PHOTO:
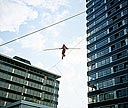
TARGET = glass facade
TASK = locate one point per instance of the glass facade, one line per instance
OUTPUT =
(20, 81)
(107, 44)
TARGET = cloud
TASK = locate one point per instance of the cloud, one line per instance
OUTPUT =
(13, 14)
(54, 5)
(40, 65)
(51, 5)
(48, 18)
(6, 49)
(1, 40)
(35, 42)
(34, 3)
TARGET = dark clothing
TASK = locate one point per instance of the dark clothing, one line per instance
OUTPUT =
(63, 50)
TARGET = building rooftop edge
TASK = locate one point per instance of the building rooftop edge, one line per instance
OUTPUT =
(58, 76)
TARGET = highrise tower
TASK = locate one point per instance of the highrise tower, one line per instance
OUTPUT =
(107, 37)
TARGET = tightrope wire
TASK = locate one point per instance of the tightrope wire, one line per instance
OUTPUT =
(42, 29)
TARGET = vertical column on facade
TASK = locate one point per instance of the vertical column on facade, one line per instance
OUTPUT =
(113, 81)
(98, 98)
(121, 5)
(115, 97)
(109, 49)
(122, 14)
(125, 32)
(105, 7)
(95, 47)
(106, 15)
(96, 76)
(112, 70)
(108, 39)
(107, 22)
(9, 86)
(116, 106)
(53, 95)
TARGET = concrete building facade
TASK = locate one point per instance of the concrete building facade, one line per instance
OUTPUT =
(19, 80)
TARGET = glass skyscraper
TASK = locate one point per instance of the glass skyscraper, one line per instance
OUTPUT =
(107, 44)
(19, 80)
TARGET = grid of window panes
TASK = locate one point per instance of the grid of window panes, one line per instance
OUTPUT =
(104, 42)
(110, 95)
(107, 44)
(109, 70)
(99, 85)
(121, 105)
(96, 15)
(21, 84)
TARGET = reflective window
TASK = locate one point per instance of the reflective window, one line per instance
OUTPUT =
(121, 79)
(91, 58)
(118, 45)
(123, 105)
(122, 92)
(100, 35)
(6, 68)
(119, 55)
(125, 12)
(101, 11)
(92, 76)
(5, 76)
(106, 96)
(19, 72)
(19, 80)
(100, 19)
(117, 35)
(102, 43)
(4, 84)
(100, 85)
(103, 62)
(101, 97)
(91, 48)
(16, 88)
(3, 93)
(103, 52)
(105, 84)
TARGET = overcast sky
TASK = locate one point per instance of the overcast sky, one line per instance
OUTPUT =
(20, 17)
